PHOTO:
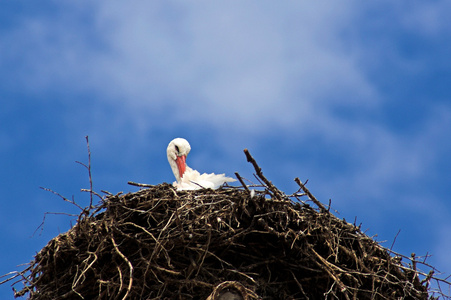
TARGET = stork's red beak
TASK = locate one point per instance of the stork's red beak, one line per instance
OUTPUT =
(181, 164)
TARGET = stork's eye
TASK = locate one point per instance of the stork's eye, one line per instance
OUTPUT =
(177, 149)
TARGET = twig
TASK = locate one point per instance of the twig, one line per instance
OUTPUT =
(304, 188)
(199, 185)
(16, 274)
(77, 279)
(62, 197)
(140, 184)
(394, 240)
(428, 278)
(130, 283)
(89, 171)
(205, 253)
(50, 213)
(329, 268)
(258, 170)
(414, 262)
(241, 181)
(92, 193)
(106, 192)
(299, 285)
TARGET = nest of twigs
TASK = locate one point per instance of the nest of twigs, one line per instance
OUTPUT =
(246, 242)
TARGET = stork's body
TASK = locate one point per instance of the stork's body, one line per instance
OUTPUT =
(187, 178)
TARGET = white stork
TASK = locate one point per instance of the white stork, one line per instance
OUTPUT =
(187, 178)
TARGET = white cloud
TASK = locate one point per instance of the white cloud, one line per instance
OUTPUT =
(250, 67)
(220, 63)
(207, 62)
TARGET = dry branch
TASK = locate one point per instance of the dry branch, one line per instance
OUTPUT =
(275, 191)
(311, 197)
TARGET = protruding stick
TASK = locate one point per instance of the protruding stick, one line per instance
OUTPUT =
(140, 184)
(305, 190)
(241, 181)
(258, 170)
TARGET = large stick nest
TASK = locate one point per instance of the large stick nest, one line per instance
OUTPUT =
(159, 243)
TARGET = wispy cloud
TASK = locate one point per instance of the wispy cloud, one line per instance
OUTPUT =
(208, 63)
(276, 69)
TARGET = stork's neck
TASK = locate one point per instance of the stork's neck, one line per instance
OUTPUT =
(175, 170)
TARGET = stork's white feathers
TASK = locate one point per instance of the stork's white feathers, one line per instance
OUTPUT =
(193, 180)
(187, 178)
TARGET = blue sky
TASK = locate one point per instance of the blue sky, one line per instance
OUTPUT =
(354, 96)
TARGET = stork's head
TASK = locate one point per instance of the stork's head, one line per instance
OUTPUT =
(177, 152)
